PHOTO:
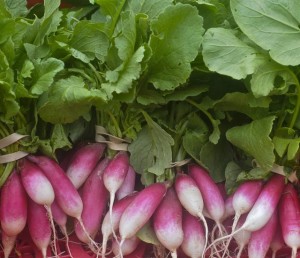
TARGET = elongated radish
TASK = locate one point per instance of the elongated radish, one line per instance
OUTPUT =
(242, 237)
(212, 197)
(277, 241)
(261, 239)
(111, 223)
(66, 195)
(83, 162)
(229, 210)
(39, 226)
(39, 189)
(128, 246)
(94, 196)
(191, 198)
(266, 201)
(139, 211)
(289, 215)
(128, 185)
(243, 200)
(167, 222)
(13, 206)
(8, 243)
(193, 244)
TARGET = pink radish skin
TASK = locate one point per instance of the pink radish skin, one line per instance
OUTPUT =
(128, 185)
(191, 198)
(39, 226)
(128, 246)
(66, 194)
(13, 211)
(277, 241)
(212, 197)
(140, 210)
(94, 197)
(167, 222)
(59, 216)
(229, 210)
(289, 215)
(8, 243)
(193, 244)
(83, 162)
(36, 184)
(107, 227)
(261, 239)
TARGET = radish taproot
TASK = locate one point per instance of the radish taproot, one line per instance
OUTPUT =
(242, 237)
(289, 216)
(94, 196)
(128, 246)
(83, 162)
(8, 243)
(167, 222)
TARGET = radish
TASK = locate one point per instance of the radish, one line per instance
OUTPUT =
(191, 198)
(229, 210)
(39, 226)
(83, 162)
(139, 211)
(167, 222)
(266, 201)
(194, 239)
(261, 239)
(289, 215)
(277, 241)
(13, 211)
(94, 197)
(8, 243)
(110, 226)
(243, 200)
(66, 194)
(212, 197)
(128, 185)
(128, 246)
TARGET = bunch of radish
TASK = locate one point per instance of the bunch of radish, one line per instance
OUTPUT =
(190, 216)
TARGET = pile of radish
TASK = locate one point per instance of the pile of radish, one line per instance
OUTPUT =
(190, 216)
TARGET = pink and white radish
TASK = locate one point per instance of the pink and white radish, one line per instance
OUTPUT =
(167, 222)
(289, 215)
(261, 239)
(194, 239)
(83, 162)
(277, 241)
(13, 211)
(39, 226)
(39, 189)
(8, 243)
(191, 198)
(128, 246)
(66, 195)
(94, 196)
(140, 210)
(111, 223)
(212, 197)
(128, 185)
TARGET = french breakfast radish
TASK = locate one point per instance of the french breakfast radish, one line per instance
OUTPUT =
(277, 241)
(128, 246)
(289, 216)
(128, 185)
(261, 239)
(140, 210)
(13, 211)
(94, 196)
(193, 244)
(8, 243)
(39, 226)
(83, 162)
(191, 198)
(167, 222)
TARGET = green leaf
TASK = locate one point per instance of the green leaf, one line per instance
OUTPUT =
(254, 139)
(265, 80)
(254, 174)
(7, 29)
(88, 42)
(67, 100)
(151, 151)
(121, 79)
(273, 25)
(226, 54)
(183, 93)
(17, 8)
(9, 106)
(215, 158)
(44, 73)
(59, 138)
(147, 234)
(232, 171)
(175, 41)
